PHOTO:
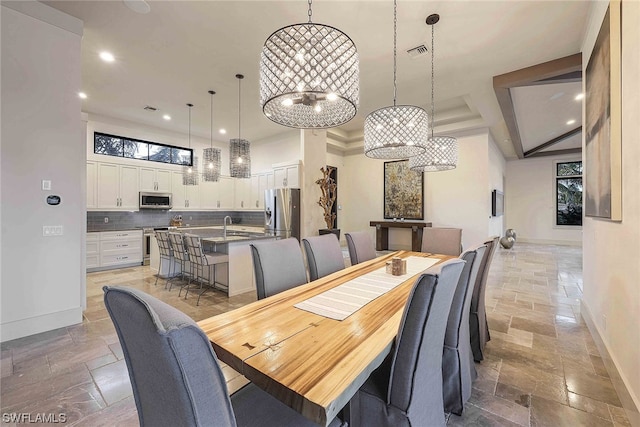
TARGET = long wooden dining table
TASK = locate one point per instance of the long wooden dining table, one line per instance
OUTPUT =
(312, 363)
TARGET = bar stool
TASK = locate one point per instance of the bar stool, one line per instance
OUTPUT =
(180, 256)
(204, 262)
(166, 254)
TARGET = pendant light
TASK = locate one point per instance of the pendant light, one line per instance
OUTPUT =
(309, 76)
(239, 149)
(442, 151)
(399, 131)
(190, 172)
(211, 168)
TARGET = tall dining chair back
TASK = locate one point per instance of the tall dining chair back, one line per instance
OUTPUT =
(180, 255)
(324, 255)
(166, 254)
(204, 262)
(441, 240)
(278, 266)
(406, 390)
(478, 326)
(174, 373)
(458, 368)
(360, 246)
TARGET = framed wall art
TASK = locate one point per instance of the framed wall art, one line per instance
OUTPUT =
(603, 125)
(403, 191)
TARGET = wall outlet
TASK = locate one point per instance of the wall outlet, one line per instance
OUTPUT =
(46, 185)
(106, 220)
(190, 218)
(52, 230)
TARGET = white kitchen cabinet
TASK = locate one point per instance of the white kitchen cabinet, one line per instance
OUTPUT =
(259, 183)
(185, 197)
(153, 179)
(117, 186)
(92, 182)
(225, 192)
(209, 194)
(242, 193)
(287, 175)
(93, 250)
(114, 249)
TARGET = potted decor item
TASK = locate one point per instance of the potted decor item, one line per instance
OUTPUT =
(329, 189)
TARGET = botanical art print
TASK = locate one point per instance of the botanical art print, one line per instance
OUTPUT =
(403, 191)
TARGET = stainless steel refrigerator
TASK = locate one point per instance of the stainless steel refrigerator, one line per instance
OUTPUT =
(282, 212)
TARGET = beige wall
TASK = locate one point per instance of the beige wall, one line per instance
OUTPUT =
(530, 201)
(42, 139)
(611, 264)
(469, 184)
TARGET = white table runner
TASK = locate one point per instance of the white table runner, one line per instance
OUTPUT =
(344, 300)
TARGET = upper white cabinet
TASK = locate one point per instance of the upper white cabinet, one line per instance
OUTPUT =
(152, 179)
(242, 193)
(117, 186)
(259, 183)
(287, 175)
(185, 197)
(92, 180)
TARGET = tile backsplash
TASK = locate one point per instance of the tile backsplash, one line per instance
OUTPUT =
(151, 218)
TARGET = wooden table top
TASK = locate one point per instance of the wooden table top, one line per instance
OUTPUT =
(311, 363)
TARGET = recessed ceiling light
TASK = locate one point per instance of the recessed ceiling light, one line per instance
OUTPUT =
(166, 117)
(223, 131)
(138, 6)
(82, 95)
(107, 56)
(570, 122)
(579, 97)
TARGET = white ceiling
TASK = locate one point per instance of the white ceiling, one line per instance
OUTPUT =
(180, 49)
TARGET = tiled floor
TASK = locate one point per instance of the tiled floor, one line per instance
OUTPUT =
(542, 366)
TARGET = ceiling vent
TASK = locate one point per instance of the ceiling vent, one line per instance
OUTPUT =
(418, 51)
(150, 108)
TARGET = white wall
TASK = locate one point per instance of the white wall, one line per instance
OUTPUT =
(42, 139)
(497, 172)
(530, 201)
(457, 198)
(611, 265)
(276, 149)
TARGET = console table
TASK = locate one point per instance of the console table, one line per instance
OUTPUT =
(382, 233)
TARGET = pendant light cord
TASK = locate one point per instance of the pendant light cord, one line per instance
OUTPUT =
(309, 12)
(433, 102)
(395, 42)
(212, 93)
(239, 109)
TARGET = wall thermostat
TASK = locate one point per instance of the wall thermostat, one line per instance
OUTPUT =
(53, 200)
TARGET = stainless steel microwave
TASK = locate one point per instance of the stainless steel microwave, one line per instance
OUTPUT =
(150, 200)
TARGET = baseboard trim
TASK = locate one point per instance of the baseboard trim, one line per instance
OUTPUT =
(550, 242)
(626, 398)
(35, 325)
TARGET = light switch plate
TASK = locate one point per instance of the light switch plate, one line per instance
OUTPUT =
(46, 185)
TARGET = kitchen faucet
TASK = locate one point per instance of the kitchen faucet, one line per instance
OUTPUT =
(225, 225)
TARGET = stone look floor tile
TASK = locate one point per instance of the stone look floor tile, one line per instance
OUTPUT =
(79, 369)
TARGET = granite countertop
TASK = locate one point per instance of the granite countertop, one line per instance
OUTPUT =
(235, 233)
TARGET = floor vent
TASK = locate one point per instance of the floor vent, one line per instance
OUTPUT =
(418, 51)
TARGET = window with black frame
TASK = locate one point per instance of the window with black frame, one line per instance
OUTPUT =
(119, 146)
(569, 193)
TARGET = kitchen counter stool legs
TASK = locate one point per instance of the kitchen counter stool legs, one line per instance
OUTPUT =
(166, 254)
(203, 262)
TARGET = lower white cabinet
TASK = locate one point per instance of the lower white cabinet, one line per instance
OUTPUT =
(113, 249)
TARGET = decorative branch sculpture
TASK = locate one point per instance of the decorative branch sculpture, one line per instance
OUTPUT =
(328, 187)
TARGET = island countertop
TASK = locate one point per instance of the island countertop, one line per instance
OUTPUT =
(235, 233)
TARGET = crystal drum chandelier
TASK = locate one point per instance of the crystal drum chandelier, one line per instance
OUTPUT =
(309, 76)
(212, 164)
(239, 149)
(190, 172)
(442, 151)
(399, 131)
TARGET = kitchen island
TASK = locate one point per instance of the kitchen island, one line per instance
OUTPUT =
(238, 273)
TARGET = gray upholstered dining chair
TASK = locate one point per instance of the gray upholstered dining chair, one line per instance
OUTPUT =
(166, 254)
(478, 326)
(324, 255)
(278, 266)
(458, 368)
(360, 246)
(175, 375)
(441, 240)
(406, 390)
